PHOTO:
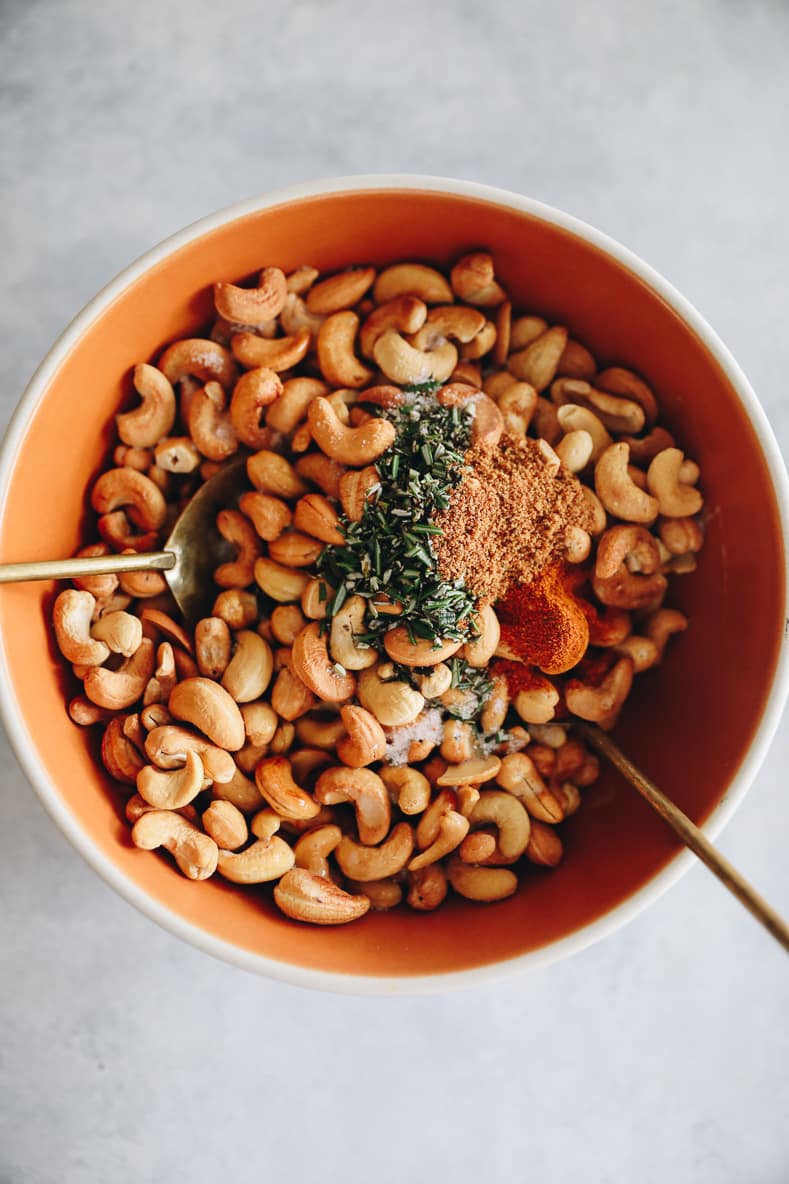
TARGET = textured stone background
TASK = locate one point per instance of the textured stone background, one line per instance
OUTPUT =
(659, 1054)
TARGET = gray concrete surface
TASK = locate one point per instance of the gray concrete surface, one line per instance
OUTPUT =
(659, 1054)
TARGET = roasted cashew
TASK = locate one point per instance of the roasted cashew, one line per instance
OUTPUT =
(316, 516)
(409, 788)
(264, 860)
(236, 608)
(294, 549)
(364, 863)
(642, 650)
(275, 783)
(320, 731)
(226, 825)
(290, 697)
(538, 362)
(480, 883)
(382, 894)
(477, 846)
(631, 544)
(283, 584)
(291, 407)
(680, 536)
(71, 618)
(336, 358)
(365, 741)
(312, 664)
(117, 689)
(346, 624)
(675, 499)
(458, 741)
(303, 896)
(212, 646)
(575, 450)
(102, 587)
(161, 623)
(295, 316)
(479, 652)
(405, 313)
(544, 847)
(616, 490)
(275, 353)
(209, 707)
(577, 362)
(287, 621)
(252, 306)
(313, 848)
(495, 706)
(537, 704)
(210, 425)
(436, 683)
(481, 344)
(412, 279)
(236, 528)
(616, 380)
(573, 418)
(167, 746)
(367, 792)
(629, 590)
(269, 515)
(508, 813)
(173, 788)
(155, 715)
(121, 488)
(517, 405)
(357, 487)
(255, 391)
(452, 829)
(85, 714)
(473, 280)
(147, 424)
(238, 790)
(349, 446)
(404, 363)
(524, 330)
(321, 471)
(315, 599)
(455, 321)
(195, 853)
(248, 673)
(120, 757)
(471, 772)
(427, 888)
(260, 722)
(393, 703)
(601, 704)
(340, 291)
(662, 624)
(196, 357)
(164, 677)
(519, 776)
(422, 652)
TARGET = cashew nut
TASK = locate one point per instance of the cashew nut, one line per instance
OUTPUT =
(322, 471)
(264, 860)
(336, 358)
(365, 741)
(346, 624)
(71, 618)
(147, 424)
(209, 707)
(519, 776)
(212, 646)
(412, 279)
(283, 584)
(410, 788)
(314, 847)
(293, 549)
(601, 704)
(197, 357)
(304, 896)
(356, 488)
(405, 313)
(427, 888)
(317, 517)
(320, 731)
(195, 853)
(290, 408)
(120, 757)
(290, 697)
(120, 488)
(471, 772)
(376, 863)
(538, 362)
(473, 280)
(274, 780)
(171, 789)
(117, 689)
(367, 792)
(340, 291)
(168, 746)
(423, 652)
(350, 446)
(275, 353)
(616, 490)
(544, 847)
(404, 363)
(479, 652)
(255, 390)
(393, 703)
(252, 306)
(226, 825)
(675, 499)
(616, 380)
(249, 671)
(312, 664)
(662, 624)
(480, 883)
(452, 829)
(509, 815)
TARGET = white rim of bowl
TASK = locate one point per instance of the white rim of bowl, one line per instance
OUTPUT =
(370, 984)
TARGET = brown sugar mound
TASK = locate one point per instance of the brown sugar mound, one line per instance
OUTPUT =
(508, 518)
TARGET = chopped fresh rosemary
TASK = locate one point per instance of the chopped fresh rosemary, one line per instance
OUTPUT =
(388, 552)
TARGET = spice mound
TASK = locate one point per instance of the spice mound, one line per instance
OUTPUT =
(509, 518)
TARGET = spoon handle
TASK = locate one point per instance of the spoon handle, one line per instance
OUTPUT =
(690, 834)
(64, 569)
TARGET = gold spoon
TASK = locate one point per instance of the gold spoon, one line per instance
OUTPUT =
(191, 554)
(195, 549)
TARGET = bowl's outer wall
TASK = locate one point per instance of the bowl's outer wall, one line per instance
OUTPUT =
(689, 725)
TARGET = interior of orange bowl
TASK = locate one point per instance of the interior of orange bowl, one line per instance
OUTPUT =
(687, 724)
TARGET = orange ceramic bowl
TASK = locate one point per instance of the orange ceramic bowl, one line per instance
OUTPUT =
(700, 724)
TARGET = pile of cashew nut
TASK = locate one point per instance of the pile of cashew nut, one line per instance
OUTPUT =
(254, 745)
